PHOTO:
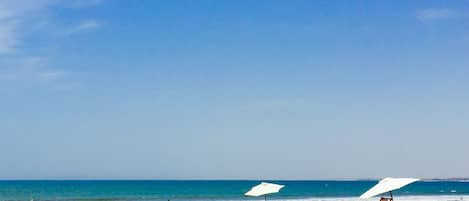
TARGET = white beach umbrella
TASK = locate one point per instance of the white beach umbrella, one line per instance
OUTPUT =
(263, 189)
(388, 185)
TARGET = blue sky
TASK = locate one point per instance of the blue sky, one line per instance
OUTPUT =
(233, 89)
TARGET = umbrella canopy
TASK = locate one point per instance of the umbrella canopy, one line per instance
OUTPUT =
(263, 189)
(387, 185)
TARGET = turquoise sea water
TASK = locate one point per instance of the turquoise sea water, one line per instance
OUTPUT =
(217, 190)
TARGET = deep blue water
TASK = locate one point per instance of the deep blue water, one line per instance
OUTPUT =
(205, 190)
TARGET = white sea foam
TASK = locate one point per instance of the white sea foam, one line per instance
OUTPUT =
(396, 198)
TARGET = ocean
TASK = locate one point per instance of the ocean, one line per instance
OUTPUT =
(200, 190)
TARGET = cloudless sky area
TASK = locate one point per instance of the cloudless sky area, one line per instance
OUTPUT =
(233, 89)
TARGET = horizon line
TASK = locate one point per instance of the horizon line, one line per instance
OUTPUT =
(215, 179)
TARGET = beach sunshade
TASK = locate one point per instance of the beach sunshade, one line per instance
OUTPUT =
(387, 185)
(264, 189)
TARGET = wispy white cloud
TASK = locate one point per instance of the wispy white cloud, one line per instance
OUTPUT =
(12, 15)
(8, 39)
(29, 68)
(434, 14)
(84, 26)
(81, 3)
(18, 8)
(18, 20)
(51, 75)
(18, 16)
